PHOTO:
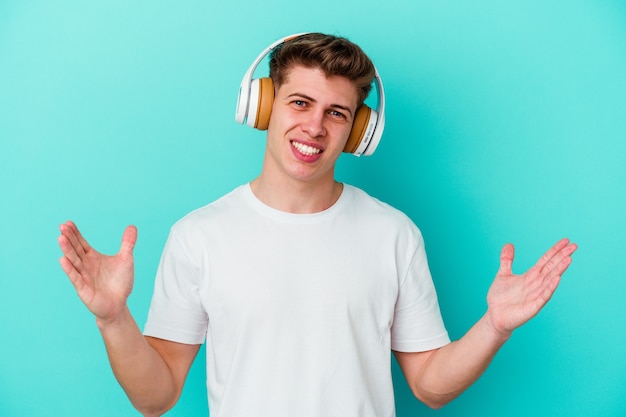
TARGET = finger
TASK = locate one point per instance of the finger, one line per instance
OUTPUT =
(75, 239)
(129, 238)
(69, 269)
(554, 250)
(79, 281)
(560, 260)
(558, 265)
(563, 265)
(69, 252)
(66, 265)
(553, 279)
(506, 259)
(83, 242)
(549, 289)
(72, 273)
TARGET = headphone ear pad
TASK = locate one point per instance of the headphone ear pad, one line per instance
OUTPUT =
(261, 102)
(359, 127)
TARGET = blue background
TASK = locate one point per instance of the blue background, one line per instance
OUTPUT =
(506, 121)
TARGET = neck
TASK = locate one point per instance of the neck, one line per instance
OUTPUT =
(296, 197)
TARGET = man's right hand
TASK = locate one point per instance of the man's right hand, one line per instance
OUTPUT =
(102, 282)
(152, 371)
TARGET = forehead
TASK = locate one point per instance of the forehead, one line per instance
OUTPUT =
(323, 88)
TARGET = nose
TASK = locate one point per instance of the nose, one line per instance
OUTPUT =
(313, 124)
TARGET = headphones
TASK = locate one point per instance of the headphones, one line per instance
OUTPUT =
(256, 97)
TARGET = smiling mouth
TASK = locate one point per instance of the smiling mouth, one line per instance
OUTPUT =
(305, 149)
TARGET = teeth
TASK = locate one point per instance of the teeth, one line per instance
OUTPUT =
(305, 149)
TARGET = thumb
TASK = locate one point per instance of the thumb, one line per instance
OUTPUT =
(506, 259)
(129, 238)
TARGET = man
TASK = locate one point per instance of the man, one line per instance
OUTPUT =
(300, 285)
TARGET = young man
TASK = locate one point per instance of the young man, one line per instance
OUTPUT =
(301, 286)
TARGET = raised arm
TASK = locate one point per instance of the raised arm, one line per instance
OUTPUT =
(437, 377)
(151, 371)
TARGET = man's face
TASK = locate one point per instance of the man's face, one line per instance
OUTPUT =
(311, 120)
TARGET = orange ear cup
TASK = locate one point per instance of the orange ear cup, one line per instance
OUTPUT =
(361, 120)
(266, 100)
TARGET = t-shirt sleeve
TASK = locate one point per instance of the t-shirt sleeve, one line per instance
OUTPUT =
(176, 311)
(417, 325)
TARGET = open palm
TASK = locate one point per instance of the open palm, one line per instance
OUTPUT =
(514, 299)
(102, 282)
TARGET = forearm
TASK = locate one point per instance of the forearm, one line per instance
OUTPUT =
(454, 367)
(140, 370)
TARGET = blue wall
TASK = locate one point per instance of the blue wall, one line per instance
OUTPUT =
(506, 122)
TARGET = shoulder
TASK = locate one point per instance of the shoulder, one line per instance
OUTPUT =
(380, 217)
(210, 216)
(368, 205)
(205, 226)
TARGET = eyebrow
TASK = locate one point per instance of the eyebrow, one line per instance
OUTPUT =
(334, 106)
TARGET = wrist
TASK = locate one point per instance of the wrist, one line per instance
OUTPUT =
(493, 331)
(118, 320)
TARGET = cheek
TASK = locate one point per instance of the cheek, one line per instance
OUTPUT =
(280, 120)
(342, 133)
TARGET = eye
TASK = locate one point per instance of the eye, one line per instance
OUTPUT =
(299, 103)
(337, 114)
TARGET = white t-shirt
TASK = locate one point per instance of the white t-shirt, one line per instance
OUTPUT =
(299, 311)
